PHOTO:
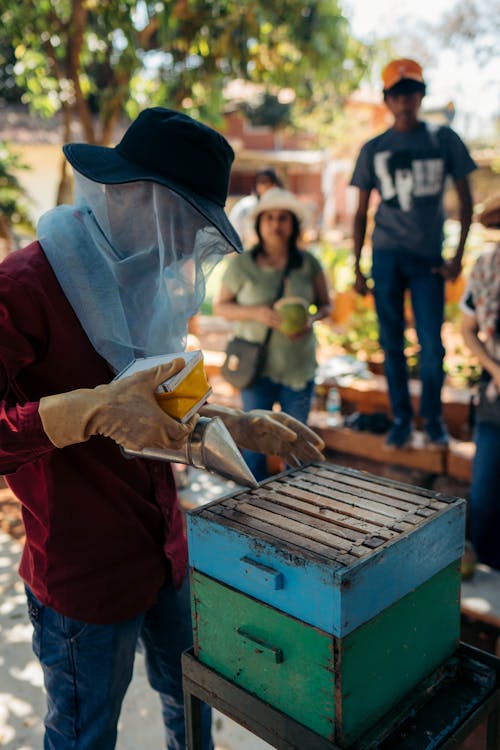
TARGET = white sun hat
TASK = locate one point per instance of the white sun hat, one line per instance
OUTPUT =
(279, 198)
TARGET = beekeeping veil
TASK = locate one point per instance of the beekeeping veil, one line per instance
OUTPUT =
(148, 224)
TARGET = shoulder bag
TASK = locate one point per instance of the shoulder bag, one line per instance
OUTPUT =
(244, 359)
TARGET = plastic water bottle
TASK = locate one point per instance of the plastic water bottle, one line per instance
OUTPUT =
(333, 408)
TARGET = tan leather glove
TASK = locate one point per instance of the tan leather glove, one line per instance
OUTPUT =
(270, 432)
(125, 410)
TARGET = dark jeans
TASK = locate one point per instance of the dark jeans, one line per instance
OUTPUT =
(263, 395)
(87, 669)
(393, 273)
(484, 506)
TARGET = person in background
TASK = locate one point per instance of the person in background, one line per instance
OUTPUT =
(408, 166)
(249, 288)
(240, 214)
(481, 332)
(113, 277)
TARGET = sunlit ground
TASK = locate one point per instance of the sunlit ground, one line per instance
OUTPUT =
(481, 594)
(21, 692)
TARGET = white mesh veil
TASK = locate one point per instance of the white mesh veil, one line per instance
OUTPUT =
(132, 259)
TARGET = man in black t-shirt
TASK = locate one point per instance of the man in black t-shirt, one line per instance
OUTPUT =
(408, 165)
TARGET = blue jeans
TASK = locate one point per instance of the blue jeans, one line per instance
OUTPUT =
(393, 273)
(484, 505)
(87, 670)
(263, 395)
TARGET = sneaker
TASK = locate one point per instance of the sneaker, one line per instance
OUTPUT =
(398, 436)
(436, 433)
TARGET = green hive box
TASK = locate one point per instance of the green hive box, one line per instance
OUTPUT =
(328, 593)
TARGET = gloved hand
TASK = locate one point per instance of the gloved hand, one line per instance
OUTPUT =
(270, 432)
(125, 410)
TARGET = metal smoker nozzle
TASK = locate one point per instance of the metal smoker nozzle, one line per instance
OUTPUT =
(209, 447)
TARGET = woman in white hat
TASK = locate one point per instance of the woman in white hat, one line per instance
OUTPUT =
(481, 332)
(276, 268)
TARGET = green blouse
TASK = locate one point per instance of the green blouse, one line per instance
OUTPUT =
(288, 362)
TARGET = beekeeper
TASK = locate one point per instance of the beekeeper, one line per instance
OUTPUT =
(115, 276)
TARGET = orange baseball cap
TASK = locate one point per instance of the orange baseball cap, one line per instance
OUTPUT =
(397, 70)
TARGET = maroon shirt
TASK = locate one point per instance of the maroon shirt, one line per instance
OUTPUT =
(103, 532)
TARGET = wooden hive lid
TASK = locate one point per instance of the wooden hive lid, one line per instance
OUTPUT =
(329, 512)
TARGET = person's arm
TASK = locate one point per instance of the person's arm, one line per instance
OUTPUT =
(124, 410)
(359, 232)
(22, 437)
(470, 329)
(274, 433)
(452, 268)
(226, 306)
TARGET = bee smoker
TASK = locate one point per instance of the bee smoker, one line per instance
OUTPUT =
(210, 447)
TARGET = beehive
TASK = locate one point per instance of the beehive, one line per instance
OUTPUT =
(327, 592)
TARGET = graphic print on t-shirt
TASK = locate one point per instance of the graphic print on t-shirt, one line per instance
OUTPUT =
(406, 179)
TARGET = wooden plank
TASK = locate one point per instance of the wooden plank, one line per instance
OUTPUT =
(371, 446)
(349, 507)
(377, 484)
(316, 506)
(321, 522)
(354, 489)
(424, 512)
(381, 510)
(323, 501)
(331, 466)
(460, 459)
(305, 512)
(317, 522)
(241, 527)
(252, 523)
(302, 529)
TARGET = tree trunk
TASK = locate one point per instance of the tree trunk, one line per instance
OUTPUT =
(65, 186)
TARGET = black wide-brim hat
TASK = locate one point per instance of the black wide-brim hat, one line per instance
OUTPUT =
(172, 149)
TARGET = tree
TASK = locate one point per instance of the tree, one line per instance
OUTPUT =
(9, 90)
(269, 111)
(14, 213)
(471, 23)
(94, 60)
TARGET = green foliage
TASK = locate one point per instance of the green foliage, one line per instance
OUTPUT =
(268, 111)
(337, 263)
(9, 90)
(361, 336)
(13, 199)
(102, 58)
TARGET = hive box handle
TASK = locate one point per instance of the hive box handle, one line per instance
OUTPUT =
(262, 647)
(263, 574)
